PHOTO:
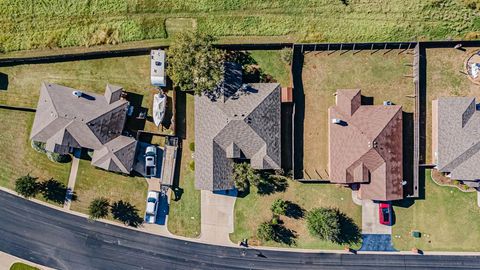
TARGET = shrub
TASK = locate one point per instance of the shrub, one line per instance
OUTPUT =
(324, 223)
(191, 146)
(244, 175)
(191, 165)
(38, 146)
(266, 231)
(59, 158)
(279, 207)
(27, 186)
(98, 208)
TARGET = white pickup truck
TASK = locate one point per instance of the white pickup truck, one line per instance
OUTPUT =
(151, 161)
(152, 207)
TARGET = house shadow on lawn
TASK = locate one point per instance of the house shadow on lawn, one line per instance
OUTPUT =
(298, 114)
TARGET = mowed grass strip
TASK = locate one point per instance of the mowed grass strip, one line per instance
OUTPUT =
(254, 209)
(380, 76)
(94, 183)
(447, 219)
(44, 24)
(17, 157)
(184, 216)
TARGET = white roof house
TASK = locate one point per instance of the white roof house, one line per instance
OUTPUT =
(157, 59)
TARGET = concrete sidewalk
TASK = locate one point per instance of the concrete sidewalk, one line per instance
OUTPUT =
(217, 217)
(71, 182)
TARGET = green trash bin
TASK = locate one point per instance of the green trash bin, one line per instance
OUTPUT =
(416, 234)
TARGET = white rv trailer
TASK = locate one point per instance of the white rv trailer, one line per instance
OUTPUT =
(157, 59)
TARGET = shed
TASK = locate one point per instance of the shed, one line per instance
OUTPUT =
(287, 94)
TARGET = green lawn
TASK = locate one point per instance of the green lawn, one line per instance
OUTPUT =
(38, 24)
(271, 64)
(254, 209)
(448, 220)
(17, 157)
(184, 216)
(22, 266)
(132, 73)
(93, 183)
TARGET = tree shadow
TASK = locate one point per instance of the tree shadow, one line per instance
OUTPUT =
(55, 191)
(294, 210)
(126, 213)
(284, 235)
(349, 231)
(270, 184)
(240, 57)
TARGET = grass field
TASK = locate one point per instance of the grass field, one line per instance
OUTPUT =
(184, 216)
(17, 158)
(448, 220)
(38, 24)
(444, 78)
(255, 209)
(93, 183)
(380, 76)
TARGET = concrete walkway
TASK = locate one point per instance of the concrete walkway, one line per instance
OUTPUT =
(217, 217)
(6, 260)
(71, 182)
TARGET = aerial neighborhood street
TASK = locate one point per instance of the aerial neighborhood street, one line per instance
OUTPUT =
(142, 135)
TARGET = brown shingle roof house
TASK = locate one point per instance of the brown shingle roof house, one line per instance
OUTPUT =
(65, 121)
(365, 146)
(242, 123)
(456, 137)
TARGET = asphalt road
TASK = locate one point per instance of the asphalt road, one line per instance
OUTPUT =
(63, 241)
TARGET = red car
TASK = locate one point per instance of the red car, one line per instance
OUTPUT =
(385, 213)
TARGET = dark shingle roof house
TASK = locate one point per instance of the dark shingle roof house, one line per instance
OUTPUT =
(64, 122)
(365, 146)
(456, 137)
(242, 123)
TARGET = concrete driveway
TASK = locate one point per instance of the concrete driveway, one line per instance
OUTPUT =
(375, 236)
(370, 220)
(217, 217)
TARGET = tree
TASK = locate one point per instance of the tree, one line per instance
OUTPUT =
(244, 175)
(98, 208)
(279, 207)
(194, 64)
(266, 231)
(126, 213)
(324, 223)
(27, 186)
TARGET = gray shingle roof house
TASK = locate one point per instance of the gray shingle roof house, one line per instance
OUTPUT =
(65, 122)
(242, 123)
(456, 137)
